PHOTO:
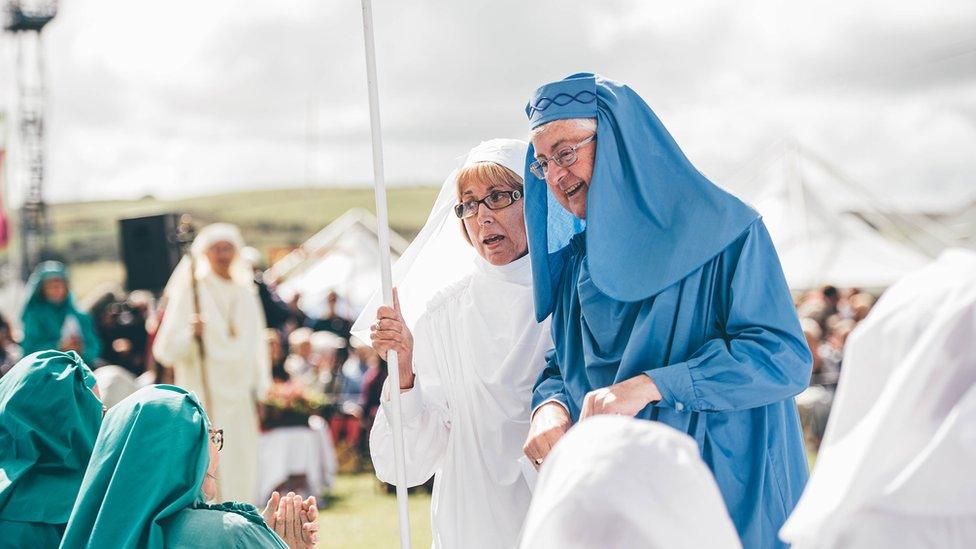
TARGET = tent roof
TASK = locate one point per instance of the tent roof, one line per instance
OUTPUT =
(344, 256)
(841, 194)
(819, 246)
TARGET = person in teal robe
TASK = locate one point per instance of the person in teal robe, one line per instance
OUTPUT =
(145, 484)
(49, 418)
(51, 319)
(667, 297)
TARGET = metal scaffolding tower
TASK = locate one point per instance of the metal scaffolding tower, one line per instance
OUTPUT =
(26, 21)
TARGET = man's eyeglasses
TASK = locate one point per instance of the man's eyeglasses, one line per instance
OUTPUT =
(217, 437)
(564, 157)
(496, 200)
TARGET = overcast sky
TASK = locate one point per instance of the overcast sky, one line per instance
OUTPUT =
(183, 97)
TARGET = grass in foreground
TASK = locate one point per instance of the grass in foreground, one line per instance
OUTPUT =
(361, 516)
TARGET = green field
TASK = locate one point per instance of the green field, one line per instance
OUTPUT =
(361, 516)
(85, 234)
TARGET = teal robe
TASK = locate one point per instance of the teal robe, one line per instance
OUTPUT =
(49, 419)
(43, 320)
(143, 484)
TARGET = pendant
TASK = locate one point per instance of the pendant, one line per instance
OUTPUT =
(232, 331)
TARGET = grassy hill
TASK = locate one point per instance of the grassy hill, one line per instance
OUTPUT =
(86, 233)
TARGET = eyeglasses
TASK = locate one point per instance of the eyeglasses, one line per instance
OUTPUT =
(496, 200)
(217, 437)
(564, 157)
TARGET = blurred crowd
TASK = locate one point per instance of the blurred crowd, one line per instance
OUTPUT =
(317, 366)
(828, 316)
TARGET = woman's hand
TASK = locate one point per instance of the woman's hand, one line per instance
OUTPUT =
(296, 521)
(390, 333)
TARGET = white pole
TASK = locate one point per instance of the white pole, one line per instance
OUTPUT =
(383, 235)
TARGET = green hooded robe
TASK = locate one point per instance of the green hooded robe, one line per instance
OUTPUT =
(49, 420)
(43, 320)
(143, 484)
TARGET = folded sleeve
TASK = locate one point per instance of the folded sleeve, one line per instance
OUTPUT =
(762, 356)
(550, 386)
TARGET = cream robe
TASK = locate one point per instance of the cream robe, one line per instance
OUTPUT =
(477, 353)
(237, 368)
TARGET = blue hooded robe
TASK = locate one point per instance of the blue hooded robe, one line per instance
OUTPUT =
(672, 277)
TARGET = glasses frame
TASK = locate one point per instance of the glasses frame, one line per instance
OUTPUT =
(539, 169)
(217, 437)
(515, 196)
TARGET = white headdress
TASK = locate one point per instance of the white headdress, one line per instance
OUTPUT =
(901, 436)
(440, 256)
(615, 481)
(240, 269)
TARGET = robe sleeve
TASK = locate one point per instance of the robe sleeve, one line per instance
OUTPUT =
(550, 386)
(35, 338)
(763, 357)
(174, 339)
(426, 419)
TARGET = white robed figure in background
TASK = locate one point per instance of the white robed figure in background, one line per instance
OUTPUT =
(621, 482)
(231, 323)
(469, 351)
(896, 464)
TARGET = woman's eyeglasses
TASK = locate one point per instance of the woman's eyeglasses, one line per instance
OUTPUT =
(496, 200)
(217, 437)
(564, 157)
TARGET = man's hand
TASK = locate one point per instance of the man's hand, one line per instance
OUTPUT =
(390, 333)
(549, 423)
(625, 398)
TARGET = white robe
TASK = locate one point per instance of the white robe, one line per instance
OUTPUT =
(896, 465)
(477, 353)
(237, 371)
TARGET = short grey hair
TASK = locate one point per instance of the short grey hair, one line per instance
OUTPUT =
(587, 124)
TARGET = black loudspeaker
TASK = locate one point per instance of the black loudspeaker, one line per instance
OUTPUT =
(150, 250)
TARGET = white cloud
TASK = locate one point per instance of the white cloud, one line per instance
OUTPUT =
(183, 97)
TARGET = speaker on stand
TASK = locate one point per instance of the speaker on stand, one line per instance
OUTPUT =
(150, 250)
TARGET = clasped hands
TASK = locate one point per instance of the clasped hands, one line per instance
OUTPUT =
(295, 521)
(551, 420)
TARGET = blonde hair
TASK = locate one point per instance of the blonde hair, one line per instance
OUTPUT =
(489, 174)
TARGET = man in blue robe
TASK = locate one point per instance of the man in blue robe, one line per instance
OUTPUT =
(668, 301)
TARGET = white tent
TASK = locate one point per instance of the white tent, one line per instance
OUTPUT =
(343, 257)
(841, 195)
(819, 246)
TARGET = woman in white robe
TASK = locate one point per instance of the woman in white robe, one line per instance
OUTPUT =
(237, 358)
(620, 482)
(476, 353)
(896, 465)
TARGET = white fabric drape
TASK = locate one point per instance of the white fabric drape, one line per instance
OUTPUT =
(477, 353)
(237, 362)
(616, 481)
(896, 465)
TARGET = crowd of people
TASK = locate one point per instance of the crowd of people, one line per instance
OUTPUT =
(828, 316)
(130, 340)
